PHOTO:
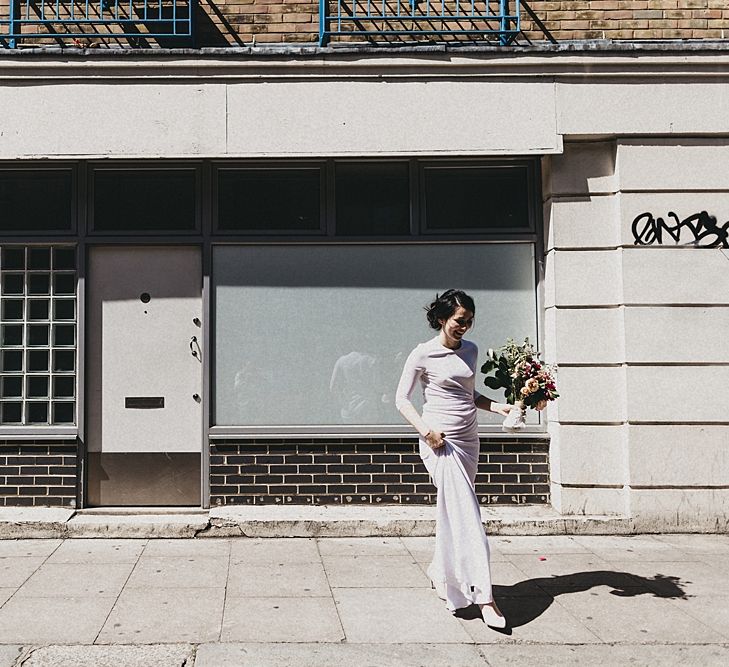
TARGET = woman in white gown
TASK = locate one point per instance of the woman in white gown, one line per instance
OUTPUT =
(449, 447)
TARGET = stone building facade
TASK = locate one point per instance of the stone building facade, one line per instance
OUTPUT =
(182, 227)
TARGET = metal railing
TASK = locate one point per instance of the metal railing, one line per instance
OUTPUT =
(61, 21)
(498, 20)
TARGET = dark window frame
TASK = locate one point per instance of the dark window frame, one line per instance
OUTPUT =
(140, 166)
(63, 166)
(273, 165)
(497, 165)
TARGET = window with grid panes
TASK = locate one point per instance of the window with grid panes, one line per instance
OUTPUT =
(38, 335)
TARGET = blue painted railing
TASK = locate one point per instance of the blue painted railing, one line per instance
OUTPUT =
(495, 19)
(64, 21)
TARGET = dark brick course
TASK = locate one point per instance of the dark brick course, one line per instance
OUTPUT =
(36, 473)
(511, 471)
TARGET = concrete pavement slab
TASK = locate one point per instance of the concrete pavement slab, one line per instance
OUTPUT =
(532, 620)
(76, 580)
(638, 547)
(281, 620)
(14, 571)
(374, 572)
(28, 548)
(711, 610)
(636, 619)
(164, 615)
(179, 572)
(169, 655)
(9, 655)
(362, 546)
(316, 655)
(396, 616)
(690, 577)
(719, 562)
(259, 551)
(207, 548)
(74, 620)
(602, 655)
(542, 544)
(422, 548)
(558, 564)
(697, 544)
(6, 594)
(277, 580)
(97, 551)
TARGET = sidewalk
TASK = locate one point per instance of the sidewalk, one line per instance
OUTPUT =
(571, 600)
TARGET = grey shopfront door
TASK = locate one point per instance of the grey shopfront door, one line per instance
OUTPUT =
(144, 375)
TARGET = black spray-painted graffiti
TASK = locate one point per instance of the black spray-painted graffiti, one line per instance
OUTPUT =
(699, 229)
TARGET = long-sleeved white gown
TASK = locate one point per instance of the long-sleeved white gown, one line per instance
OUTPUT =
(460, 569)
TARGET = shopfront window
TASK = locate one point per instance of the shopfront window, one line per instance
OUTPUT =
(317, 335)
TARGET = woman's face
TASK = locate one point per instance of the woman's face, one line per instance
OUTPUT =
(455, 327)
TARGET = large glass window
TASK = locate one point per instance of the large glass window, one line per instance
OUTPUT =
(38, 335)
(145, 200)
(316, 335)
(36, 200)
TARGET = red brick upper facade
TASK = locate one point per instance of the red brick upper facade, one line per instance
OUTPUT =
(260, 22)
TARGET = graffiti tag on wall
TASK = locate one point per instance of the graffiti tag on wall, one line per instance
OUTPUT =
(699, 229)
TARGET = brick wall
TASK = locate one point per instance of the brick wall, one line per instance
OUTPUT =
(630, 19)
(38, 473)
(245, 22)
(366, 471)
(276, 21)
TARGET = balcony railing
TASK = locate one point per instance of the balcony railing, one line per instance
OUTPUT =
(497, 20)
(86, 20)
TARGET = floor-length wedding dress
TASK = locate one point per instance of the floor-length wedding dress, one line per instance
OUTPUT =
(460, 569)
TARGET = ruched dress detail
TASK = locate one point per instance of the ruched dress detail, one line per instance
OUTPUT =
(460, 570)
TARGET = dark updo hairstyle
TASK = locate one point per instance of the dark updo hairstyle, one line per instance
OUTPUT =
(445, 305)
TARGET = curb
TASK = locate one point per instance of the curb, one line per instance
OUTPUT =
(287, 521)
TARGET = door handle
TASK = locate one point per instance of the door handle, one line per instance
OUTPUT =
(193, 345)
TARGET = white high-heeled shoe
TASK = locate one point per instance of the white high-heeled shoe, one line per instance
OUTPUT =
(491, 617)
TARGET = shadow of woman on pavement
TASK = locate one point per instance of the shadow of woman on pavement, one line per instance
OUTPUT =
(523, 602)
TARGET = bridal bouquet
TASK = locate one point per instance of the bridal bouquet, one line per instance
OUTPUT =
(526, 380)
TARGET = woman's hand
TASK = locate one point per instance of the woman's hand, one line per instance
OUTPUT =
(541, 405)
(501, 408)
(434, 439)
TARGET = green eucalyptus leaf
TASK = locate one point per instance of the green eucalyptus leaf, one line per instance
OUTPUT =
(492, 383)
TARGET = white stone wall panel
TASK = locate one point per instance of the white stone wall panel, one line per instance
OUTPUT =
(679, 394)
(674, 164)
(585, 335)
(680, 510)
(583, 168)
(590, 454)
(583, 222)
(652, 218)
(590, 395)
(675, 276)
(365, 117)
(585, 501)
(676, 334)
(642, 107)
(586, 278)
(120, 120)
(679, 455)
